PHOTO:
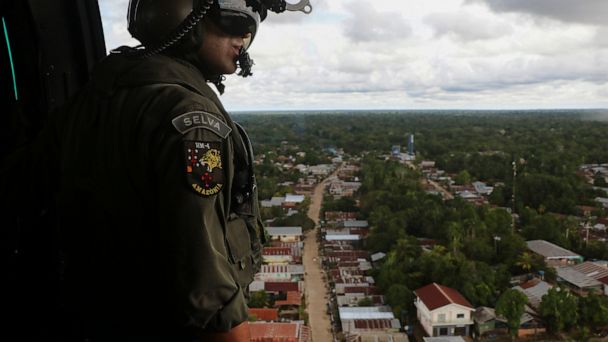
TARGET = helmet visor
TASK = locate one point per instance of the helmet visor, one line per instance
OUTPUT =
(236, 19)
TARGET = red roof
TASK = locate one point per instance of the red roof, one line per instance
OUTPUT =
(276, 251)
(373, 324)
(279, 332)
(264, 314)
(293, 298)
(286, 287)
(367, 290)
(435, 296)
(530, 283)
(604, 280)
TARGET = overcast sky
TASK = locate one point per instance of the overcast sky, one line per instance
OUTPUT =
(420, 54)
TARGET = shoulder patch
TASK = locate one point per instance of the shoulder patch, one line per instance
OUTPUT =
(204, 169)
(200, 119)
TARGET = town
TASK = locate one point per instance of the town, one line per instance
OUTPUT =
(329, 275)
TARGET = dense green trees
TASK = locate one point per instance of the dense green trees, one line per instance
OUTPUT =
(559, 309)
(549, 146)
(511, 305)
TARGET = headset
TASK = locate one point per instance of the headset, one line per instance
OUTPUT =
(161, 24)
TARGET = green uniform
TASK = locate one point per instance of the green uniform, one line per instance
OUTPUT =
(158, 215)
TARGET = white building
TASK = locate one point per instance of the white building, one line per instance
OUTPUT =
(285, 234)
(443, 311)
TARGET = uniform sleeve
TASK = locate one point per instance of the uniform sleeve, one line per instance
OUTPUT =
(193, 168)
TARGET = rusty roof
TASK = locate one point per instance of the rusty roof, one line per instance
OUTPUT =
(264, 314)
(435, 296)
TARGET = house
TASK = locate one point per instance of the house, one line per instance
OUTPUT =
(603, 201)
(297, 199)
(486, 321)
(443, 311)
(279, 332)
(554, 255)
(353, 224)
(321, 170)
(377, 336)
(285, 234)
(280, 287)
(273, 202)
(579, 277)
(578, 282)
(277, 255)
(378, 256)
(279, 272)
(337, 216)
(264, 314)
(534, 289)
(289, 307)
(444, 339)
(482, 188)
(364, 318)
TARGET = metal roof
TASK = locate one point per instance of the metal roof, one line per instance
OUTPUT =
(366, 312)
(342, 237)
(278, 231)
(592, 270)
(577, 278)
(378, 256)
(536, 292)
(354, 224)
(550, 250)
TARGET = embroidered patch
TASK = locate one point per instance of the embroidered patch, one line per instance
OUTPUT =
(204, 167)
(192, 120)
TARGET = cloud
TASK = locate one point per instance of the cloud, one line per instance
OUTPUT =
(114, 19)
(366, 24)
(364, 54)
(579, 11)
(467, 26)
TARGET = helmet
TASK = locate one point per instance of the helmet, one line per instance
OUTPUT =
(157, 22)
(161, 24)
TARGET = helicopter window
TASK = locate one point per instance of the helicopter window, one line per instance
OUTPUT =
(9, 53)
(114, 20)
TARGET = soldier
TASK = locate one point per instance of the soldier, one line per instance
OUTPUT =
(158, 222)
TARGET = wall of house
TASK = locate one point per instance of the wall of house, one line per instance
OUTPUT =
(424, 317)
(450, 313)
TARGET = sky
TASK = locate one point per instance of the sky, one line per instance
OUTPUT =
(419, 54)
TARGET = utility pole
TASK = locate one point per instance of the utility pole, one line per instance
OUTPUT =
(513, 197)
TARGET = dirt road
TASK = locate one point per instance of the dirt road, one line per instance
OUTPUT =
(316, 291)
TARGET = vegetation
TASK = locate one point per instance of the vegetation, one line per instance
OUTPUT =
(511, 305)
(558, 309)
(474, 249)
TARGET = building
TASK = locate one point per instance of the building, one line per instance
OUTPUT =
(353, 224)
(285, 234)
(443, 311)
(264, 314)
(554, 255)
(578, 282)
(279, 332)
(277, 255)
(364, 318)
(534, 289)
(377, 336)
(410, 145)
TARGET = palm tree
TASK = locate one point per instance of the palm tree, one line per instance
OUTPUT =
(525, 261)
